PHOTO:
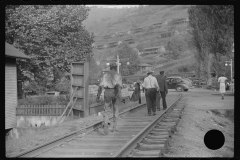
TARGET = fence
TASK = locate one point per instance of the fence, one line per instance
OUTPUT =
(40, 110)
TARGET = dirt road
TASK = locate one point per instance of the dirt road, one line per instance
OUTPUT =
(204, 111)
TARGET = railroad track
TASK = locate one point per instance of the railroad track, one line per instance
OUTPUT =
(88, 142)
(152, 141)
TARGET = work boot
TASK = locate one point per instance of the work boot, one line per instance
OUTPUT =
(114, 129)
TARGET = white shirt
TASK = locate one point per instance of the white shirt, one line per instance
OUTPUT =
(150, 82)
(222, 79)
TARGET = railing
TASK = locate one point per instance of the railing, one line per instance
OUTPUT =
(40, 110)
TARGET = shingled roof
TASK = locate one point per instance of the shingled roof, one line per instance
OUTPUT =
(145, 65)
(11, 51)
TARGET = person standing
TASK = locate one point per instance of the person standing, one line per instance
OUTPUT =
(222, 87)
(151, 88)
(232, 85)
(161, 79)
(112, 84)
(137, 92)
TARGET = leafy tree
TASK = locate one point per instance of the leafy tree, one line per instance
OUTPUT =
(173, 49)
(52, 35)
(126, 51)
(212, 31)
(94, 69)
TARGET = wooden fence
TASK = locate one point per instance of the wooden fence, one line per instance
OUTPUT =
(40, 110)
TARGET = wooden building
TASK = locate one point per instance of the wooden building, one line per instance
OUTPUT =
(11, 91)
(153, 50)
(144, 67)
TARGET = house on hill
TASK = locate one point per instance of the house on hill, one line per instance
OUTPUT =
(144, 67)
(154, 50)
(11, 80)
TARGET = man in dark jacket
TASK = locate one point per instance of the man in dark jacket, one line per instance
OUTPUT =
(163, 90)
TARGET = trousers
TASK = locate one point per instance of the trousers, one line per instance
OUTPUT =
(110, 100)
(163, 95)
(150, 95)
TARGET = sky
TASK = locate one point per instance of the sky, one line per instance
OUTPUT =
(114, 6)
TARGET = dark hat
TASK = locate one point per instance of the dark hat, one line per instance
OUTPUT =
(113, 66)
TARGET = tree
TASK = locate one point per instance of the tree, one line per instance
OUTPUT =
(212, 30)
(173, 50)
(126, 51)
(52, 35)
(94, 69)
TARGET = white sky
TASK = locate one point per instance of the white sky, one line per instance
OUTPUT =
(114, 6)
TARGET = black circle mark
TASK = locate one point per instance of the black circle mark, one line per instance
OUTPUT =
(214, 139)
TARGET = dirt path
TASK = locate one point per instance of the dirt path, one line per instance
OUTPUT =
(204, 111)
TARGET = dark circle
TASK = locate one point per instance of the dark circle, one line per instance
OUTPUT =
(214, 139)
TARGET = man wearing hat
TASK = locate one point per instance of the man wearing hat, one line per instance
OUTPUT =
(151, 88)
(163, 90)
(112, 84)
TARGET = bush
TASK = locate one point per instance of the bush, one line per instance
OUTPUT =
(45, 100)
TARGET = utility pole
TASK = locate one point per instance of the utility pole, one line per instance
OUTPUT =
(231, 68)
(117, 64)
(231, 63)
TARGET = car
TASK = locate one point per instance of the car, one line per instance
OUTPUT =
(52, 93)
(189, 82)
(177, 83)
(199, 82)
(131, 88)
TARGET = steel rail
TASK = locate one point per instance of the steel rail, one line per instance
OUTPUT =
(49, 145)
(128, 147)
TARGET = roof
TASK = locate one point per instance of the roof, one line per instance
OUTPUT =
(153, 47)
(11, 51)
(145, 65)
(174, 77)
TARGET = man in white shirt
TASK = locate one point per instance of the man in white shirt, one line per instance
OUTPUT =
(151, 88)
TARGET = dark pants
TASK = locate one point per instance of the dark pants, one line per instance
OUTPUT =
(158, 98)
(163, 95)
(151, 100)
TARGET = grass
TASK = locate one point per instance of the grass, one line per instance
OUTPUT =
(228, 113)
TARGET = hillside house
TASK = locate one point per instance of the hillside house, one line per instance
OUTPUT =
(154, 50)
(167, 34)
(178, 21)
(137, 30)
(143, 67)
(113, 44)
(129, 41)
(100, 46)
(157, 25)
(11, 89)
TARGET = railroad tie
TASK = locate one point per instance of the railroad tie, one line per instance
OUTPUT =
(157, 137)
(149, 147)
(153, 141)
(153, 153)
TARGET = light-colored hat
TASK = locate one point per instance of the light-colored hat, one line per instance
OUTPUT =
(150, 71)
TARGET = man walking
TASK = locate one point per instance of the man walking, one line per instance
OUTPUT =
(151, 88)
(112, 84)
(161, 79)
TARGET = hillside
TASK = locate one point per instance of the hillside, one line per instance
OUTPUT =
(114, 25)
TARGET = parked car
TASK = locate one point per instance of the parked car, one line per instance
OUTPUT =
(189, 82)
(52, 93)
(199, 82)
(177, 83)
(131, 87)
